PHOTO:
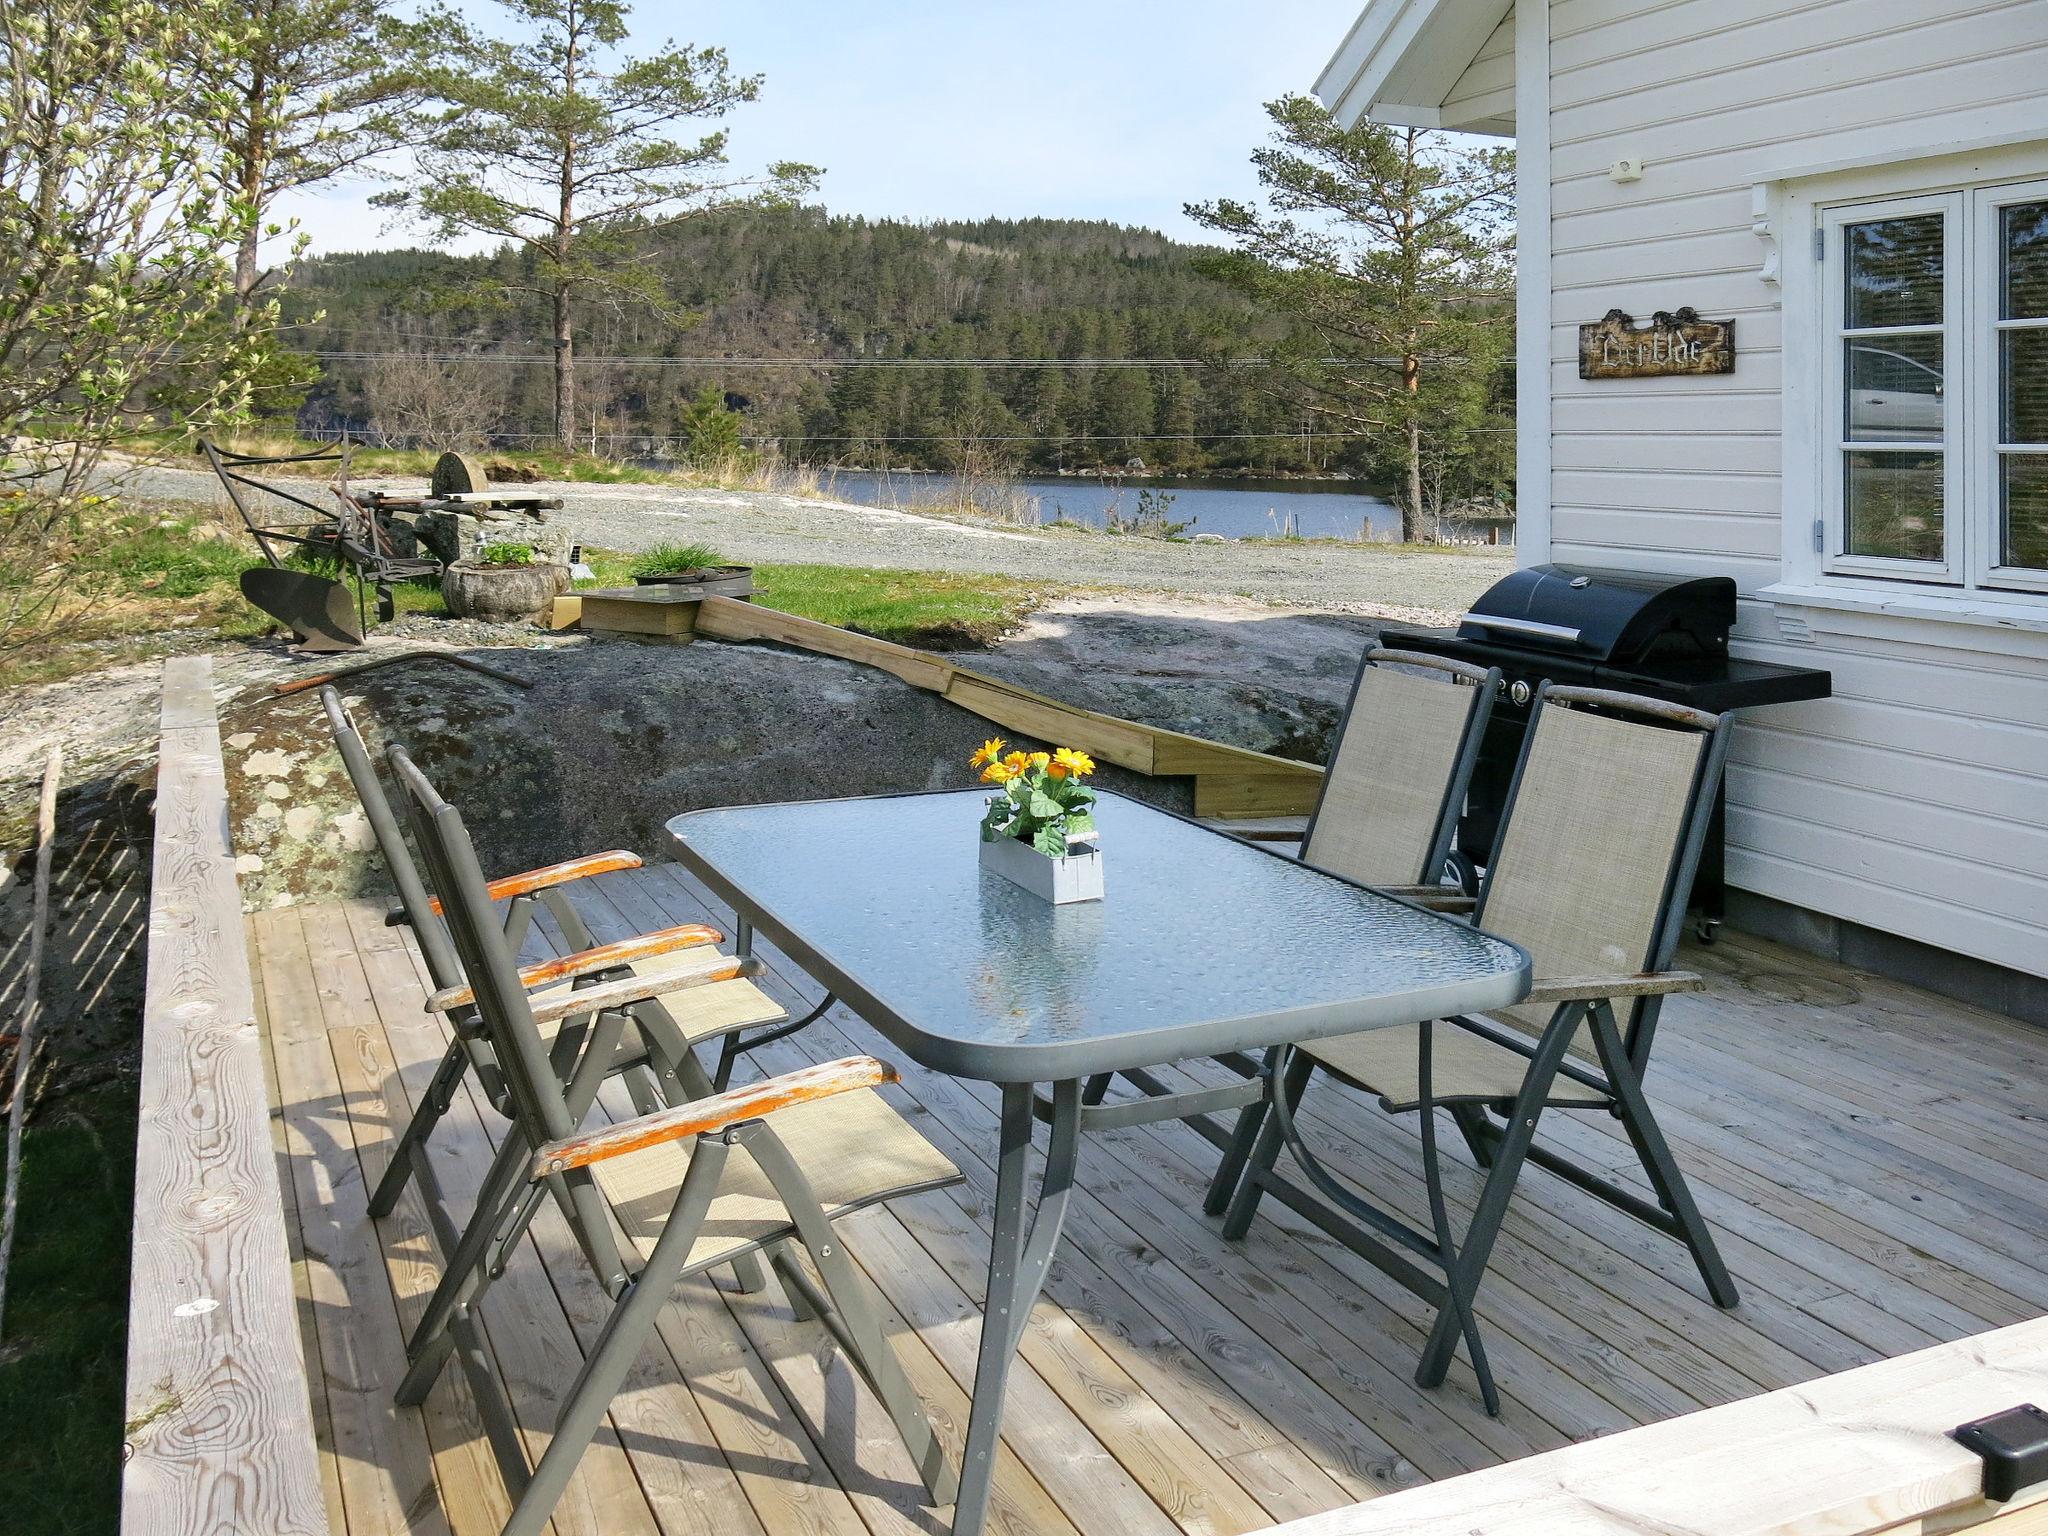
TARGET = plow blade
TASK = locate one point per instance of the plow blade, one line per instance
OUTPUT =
(319, 611)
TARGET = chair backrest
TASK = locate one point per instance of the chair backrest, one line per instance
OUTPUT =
(533, 1083)
(1600, 837)
(1397, 779)
(435, 948)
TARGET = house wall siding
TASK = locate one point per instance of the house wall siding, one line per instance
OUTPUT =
(1916, 800)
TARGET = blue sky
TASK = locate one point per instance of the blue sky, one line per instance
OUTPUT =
(1121, 111)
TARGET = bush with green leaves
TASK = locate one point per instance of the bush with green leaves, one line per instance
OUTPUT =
(711, 433)
(506, 554)
(1153, 518)
(118, 247)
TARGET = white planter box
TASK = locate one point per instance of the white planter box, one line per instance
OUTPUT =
(1077, 877)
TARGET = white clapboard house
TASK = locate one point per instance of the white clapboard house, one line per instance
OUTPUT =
(1861, 186)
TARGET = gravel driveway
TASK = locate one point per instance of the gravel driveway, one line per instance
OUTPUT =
(768, 528)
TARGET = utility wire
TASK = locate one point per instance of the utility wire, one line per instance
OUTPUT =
(589, 361)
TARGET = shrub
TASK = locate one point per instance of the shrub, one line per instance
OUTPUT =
(711, 434)
(676, 560)
(506, 554)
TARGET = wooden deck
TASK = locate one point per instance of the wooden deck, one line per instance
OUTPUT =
(1872, 1156)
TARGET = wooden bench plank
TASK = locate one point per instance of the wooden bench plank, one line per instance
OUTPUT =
(1863, 1451)
(219, 1416)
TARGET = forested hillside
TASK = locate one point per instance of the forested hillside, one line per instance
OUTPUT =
(801, 286)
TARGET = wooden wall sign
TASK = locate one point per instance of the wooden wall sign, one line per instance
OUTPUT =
(1672, 343)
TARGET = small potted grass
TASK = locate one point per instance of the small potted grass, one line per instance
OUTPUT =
(696, 566)
(503, 583)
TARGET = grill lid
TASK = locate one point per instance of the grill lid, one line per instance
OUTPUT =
(1613, 616)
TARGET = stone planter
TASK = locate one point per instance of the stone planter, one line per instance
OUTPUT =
(1077, 877)
(712, 581)
(502, 594)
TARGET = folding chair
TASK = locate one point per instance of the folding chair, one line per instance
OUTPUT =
(700, 1184)
(1396, 782)
(1600, 838)
(658, 1045)
(1391, 795)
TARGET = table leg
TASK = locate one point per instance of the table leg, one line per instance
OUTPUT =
(1019, 1257)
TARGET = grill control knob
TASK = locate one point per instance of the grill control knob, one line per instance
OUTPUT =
(1518, 691)
(1582, 581)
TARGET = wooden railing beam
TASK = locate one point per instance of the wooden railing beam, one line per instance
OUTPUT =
(219, 1423)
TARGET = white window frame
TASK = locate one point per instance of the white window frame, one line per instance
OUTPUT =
(1986, 410)
(1832, 431)
(1793, 210)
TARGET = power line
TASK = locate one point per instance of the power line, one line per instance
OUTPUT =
(588, 361)
(1048, 439)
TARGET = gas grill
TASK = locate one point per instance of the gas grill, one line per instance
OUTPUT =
(1633, 631)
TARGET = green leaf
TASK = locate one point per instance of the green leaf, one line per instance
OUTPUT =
(1050, 841)
(1080, 824)
(1044, 808)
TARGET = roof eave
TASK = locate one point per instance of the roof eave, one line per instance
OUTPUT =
(1401, 58)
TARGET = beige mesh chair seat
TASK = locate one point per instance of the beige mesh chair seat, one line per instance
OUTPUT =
(701, 1013)
(856, 1149)
(1598, 844)
(1465, 1068)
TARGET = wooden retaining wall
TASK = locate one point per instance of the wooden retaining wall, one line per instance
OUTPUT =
(219, 1426)
(1229, 781)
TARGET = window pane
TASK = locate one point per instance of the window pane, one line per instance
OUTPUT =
(1892, 505)
(2026, 261)
(2026, 511)
(1895, 271)
(1894, 389)
(2024, 383)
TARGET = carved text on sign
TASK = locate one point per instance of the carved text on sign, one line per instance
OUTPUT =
(1674, 342)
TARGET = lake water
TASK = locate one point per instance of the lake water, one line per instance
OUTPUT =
(1234, 509)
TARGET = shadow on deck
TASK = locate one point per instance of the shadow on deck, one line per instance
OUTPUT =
(1869, 1154)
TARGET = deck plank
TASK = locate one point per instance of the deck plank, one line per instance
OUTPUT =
(1875, 1184)
(385, 1465)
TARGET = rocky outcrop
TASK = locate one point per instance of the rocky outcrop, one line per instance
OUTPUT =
(613, 738)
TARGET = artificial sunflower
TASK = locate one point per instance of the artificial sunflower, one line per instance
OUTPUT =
(1068, 761)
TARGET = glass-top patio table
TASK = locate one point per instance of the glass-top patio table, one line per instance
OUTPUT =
(1203, 945)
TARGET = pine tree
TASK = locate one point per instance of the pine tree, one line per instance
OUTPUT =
(555, 144)
(1387, 251)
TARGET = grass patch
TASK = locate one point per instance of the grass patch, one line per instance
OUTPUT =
(62, 1383)
(932, 610)
(139, 578)
(149, 580)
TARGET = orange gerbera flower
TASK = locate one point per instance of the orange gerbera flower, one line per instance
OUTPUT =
(996, 773)
(1079, 764)
(988, 752)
